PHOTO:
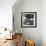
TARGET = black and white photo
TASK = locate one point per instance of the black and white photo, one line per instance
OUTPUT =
(28, 19)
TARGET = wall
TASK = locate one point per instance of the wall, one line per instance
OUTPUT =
(43, 22)
(28, 6)
(6, 13)
(6, 17)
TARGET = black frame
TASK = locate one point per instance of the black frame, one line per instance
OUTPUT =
(35, 19)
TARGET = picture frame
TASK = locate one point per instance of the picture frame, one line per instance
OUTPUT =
(29, 19)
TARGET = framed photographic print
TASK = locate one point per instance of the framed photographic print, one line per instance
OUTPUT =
(28, 19)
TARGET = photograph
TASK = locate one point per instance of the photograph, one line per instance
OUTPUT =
(22, 22)
(28, 19)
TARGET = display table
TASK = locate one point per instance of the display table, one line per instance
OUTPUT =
(2, 40)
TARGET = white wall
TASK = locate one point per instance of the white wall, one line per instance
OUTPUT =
(28, 6)
(43, 22)
(6, 13)
(6, 17)
(37, 34)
